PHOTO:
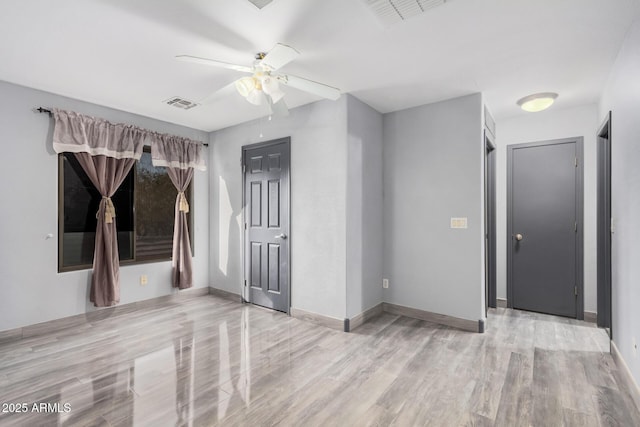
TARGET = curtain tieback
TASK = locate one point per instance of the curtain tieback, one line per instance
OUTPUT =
(184, 205)
(109, 210)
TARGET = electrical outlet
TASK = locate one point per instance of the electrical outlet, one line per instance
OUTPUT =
(143, 280)
(385, 283)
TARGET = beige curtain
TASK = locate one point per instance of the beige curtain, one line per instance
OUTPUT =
(106, 152)
(106, 174)
(180, 156)
(182, 271)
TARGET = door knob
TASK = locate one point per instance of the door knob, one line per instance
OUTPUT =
(281, 236)
(519, 237)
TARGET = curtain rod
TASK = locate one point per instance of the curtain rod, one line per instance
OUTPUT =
(50, 113)
(44, 110)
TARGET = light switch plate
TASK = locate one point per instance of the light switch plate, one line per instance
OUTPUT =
(459, 222)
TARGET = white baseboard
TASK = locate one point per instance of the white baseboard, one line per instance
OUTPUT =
(441, 319)
(363, 317)
(320, 319)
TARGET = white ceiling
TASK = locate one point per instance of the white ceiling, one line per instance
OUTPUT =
(119, 53)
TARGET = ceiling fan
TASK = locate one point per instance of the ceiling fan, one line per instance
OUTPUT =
(262, 87)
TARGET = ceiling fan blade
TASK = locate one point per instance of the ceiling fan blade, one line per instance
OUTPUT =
(278, 109)
(214, 63)
(310, 86)
(279, 56)
(227, 90)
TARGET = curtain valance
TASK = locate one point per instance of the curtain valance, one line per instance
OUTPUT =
(176, 152)
(76, 133)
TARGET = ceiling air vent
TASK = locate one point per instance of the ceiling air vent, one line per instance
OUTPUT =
(182, 103)
(392, 11)
(260, 3)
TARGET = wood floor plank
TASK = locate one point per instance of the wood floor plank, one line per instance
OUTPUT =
(209, 361)
(516, 397)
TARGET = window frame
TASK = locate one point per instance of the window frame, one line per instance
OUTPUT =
(134, 260)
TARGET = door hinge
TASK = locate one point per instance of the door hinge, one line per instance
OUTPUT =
(245, 225)
(245, 283)
(244, 168)
(576, 161)
(575, 290)
(575, 226)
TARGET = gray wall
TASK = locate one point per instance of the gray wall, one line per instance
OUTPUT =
(32, 290)
(364, 207)
(433, 170)
(551, 124)
(318, 134)
(622, 97)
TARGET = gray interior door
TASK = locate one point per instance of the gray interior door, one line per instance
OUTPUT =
(544, 221)
(266, 169)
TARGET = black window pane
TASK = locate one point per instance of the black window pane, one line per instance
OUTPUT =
(123, 202)
(81, 201)
(155, 203)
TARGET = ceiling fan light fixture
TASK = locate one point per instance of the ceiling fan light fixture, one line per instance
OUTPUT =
(537, 102)
(245, 86)
(256, 97)
(276, 96)
(271, 87)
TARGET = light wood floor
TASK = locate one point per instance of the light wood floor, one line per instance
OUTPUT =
(208, 361)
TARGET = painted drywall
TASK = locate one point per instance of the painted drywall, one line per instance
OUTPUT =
(433, 158)
(364, 207)
(546, 125)
(622, 97)
(32, 290)
(318, 134)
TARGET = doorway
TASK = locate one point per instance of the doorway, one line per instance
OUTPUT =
(490, 221)
(544, 227)
(604, 225)
(266, 169)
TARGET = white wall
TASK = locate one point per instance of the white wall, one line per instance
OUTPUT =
(433, 158)
(550, 124)
(622, 97)
(318, 134)
(364, 207)
(32, 290)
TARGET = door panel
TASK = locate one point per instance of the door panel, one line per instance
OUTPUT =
(274, 267)
(267, 224)
(544, 213)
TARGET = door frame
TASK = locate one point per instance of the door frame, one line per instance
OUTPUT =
(490, 220)
(605, 285)
(286, 196)
(579, 141)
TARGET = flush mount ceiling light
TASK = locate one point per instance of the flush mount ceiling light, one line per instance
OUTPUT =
(537, 102)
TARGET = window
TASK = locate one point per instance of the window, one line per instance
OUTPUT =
(144, 203)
